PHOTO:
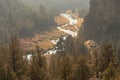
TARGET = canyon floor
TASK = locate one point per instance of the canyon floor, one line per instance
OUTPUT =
(68, 24)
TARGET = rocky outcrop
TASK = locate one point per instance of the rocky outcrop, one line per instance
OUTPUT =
(103, 20)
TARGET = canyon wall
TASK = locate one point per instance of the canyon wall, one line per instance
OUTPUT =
(102, 22)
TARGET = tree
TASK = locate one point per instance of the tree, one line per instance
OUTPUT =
(38, 69)
(106, 56)
(118, 48)
(82, 71)
(110, 72)
(103, 57)
(65, 68)
(5, 71)
(17, 62)
(117, 73)
(69, 44)
(80, 46)
(54, 67)
(60, 47)
(95, 63)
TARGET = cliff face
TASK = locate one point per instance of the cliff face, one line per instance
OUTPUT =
(103, 20)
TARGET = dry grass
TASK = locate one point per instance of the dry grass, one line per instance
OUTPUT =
(80, 21)
(75, 15)
(61, 20)
(69, 27)
(43, 40)
(45, 44)
(74, 27)
(55, 33)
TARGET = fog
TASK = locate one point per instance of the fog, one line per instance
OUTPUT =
(26, 17)
(60, 5)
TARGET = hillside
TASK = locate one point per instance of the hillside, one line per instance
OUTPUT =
(48, 39)
(102, 22)
(61, 5)
(19, 19)
(55, 40)
(25, 18)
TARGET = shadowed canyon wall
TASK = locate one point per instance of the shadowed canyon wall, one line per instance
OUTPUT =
(103, 20)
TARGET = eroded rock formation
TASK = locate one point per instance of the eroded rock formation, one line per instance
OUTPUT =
(103, 20)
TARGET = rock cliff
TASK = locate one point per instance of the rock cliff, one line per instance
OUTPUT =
(103, 20)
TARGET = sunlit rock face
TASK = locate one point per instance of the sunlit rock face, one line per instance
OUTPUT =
(103, 20)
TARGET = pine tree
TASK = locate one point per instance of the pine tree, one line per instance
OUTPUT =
(118, 48)
(106, 56)
(81, 47)
(103, 58)
(38, 70)
(82, 71)
(118, 73)
(54, 67)
(16, 61)
(60, 46)
(95, 63)
(5, 71)
(65, 68)
(110, 72)
(69, 45)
